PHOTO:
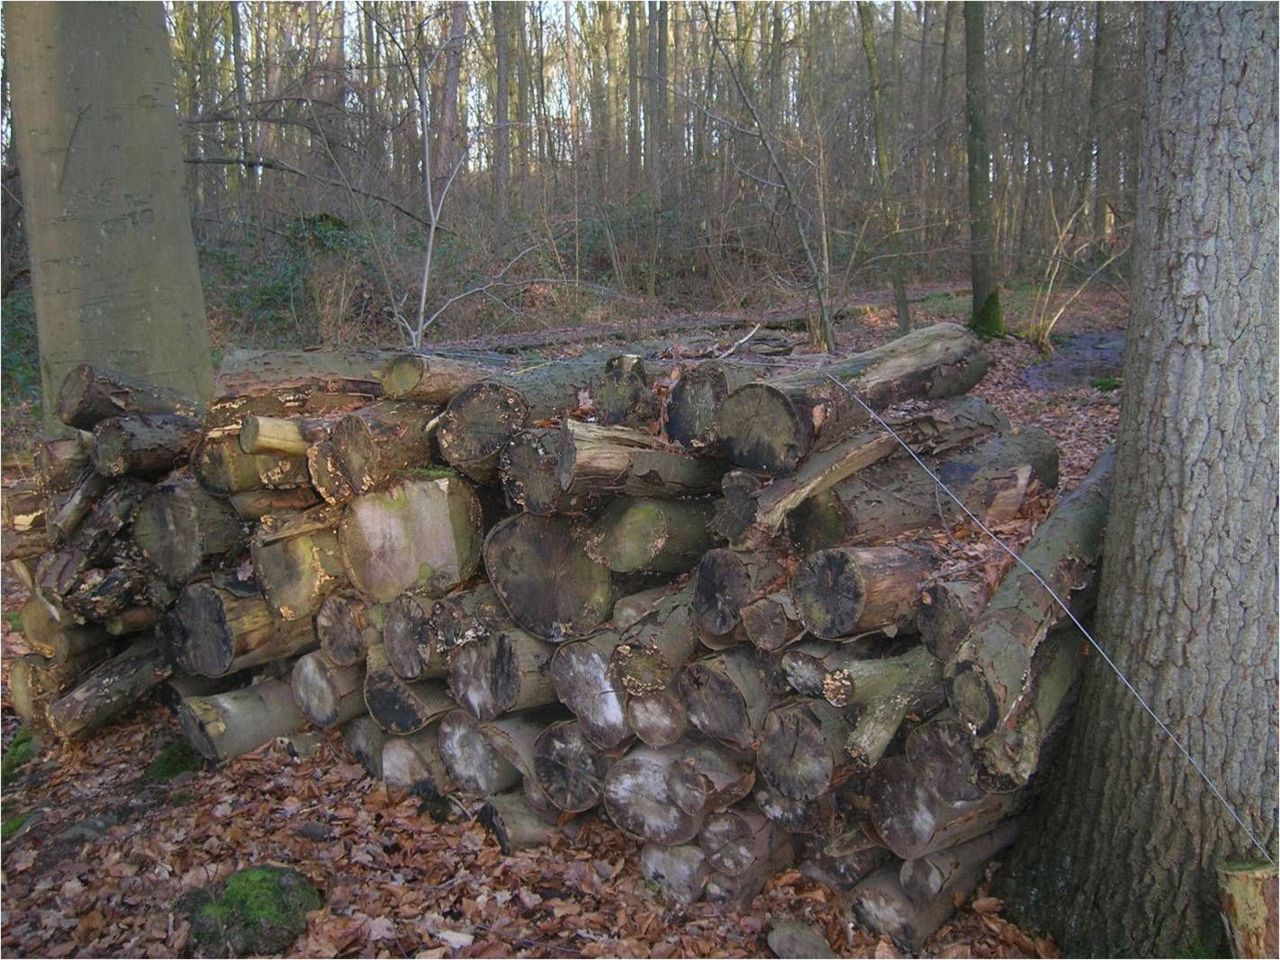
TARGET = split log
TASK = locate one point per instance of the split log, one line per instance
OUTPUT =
(465, 616)
(948, 610)
(143, 446)
(506, 671)
(297, 561)
(516, 824)
(401, 706)
(183, 529)
(280, 435)
(88, 396)
(884, 905)
(637, 535)
(586, 683)
(659, 719)
(925, 800)
(845, 591)
(72, 508)
(108, 690)
(347, 625)
(412, 649)
(329, 695)
(545, 578)
(224, 726)
(413, 762)
(23, 508)
(992, 478)
(696, 398)
(1250, 913)
(568, 767)
(570, 468)
(363, 450)
(256, 504)
(214, 630)
(364, 740)
(419, 535)
(753, 511)
(486, 758)
(430, 379)
(728, 695)
(225, 469)
(678, 871)
(1011, 755)
(772, 426)
(987, 677)
(727, 581)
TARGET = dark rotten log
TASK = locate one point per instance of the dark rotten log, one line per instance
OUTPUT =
(215, 630)
(545, 578)
(61, 460)
(108, 690)
(88, 396)
(696, 398)
(347, 625)
(256, 504)
(659, 719)
(845, 591)
(363, 450)
(327, 694)
(419, 535)
(738, 839)
(947, 612)
(223, 726)
(465, 616)
(225, 469)
(143, 446)
(568, 767)
(728, 695)
(69, 509)
(23, 507)
(623, 395)
(183, 529)
(412, 649)
(772, 426)
(801, 752)
(987, 678)
(570, 468)
(726, 582)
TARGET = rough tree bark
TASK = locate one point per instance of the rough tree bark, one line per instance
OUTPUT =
(1122, 858)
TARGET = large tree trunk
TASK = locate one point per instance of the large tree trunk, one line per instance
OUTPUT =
(116, 283)
(1189, 591)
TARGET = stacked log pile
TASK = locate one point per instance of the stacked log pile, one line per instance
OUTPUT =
(720, 614)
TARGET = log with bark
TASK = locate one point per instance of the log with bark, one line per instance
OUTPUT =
(281, 435)
(773, 425)
(297, 561)
(327, 694)
(545, 577)
(363, 450)
(642, 535)
(948, 609)
(149, 445)
(347, 625)
(992, 479)
(51, 630)
(419, 535)
(183, 529)
(754, 509)
(622, 395)
(36, 681)
(60, 461)
(577, 465)
(218, 629)
(507, 671)
(847, 591)
(401, 706)
(94, 539)
(223, 726)
(988, 676)
(429, 378)
(568, 767)
(88, 396)
(108, 690)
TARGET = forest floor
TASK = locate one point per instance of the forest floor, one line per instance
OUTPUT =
(97, 851)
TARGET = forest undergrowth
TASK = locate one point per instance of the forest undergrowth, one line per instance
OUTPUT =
(99, 846)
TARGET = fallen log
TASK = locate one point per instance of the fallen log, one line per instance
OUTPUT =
(183, 529)
(546, 580)
(94, 539)
(88, 396)
(577, 465)
(586, 684)
(568, 767)
(347, 625)
(297, 561)
(223, 726)
(149, 445)
(52, 631)
(753, 510)
(475, 427)
(992, 478)
(846, 591)
(505, 672)
(653, 650)
(36, 681)
(108, 690)
(772, 426)
(988, 675)
(401, 706)
(419, 535)
(365, 449)
(216, 630)
(327, 694)
(640, 535)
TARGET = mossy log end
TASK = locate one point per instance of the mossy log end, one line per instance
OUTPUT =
(476, 426)
(419, 535)
(545, 578)
(641, 535)
(223, 726)
(183, 529)
(88, 396)
(846, 591)
(148, 445)
(988, 676)
(108, 690)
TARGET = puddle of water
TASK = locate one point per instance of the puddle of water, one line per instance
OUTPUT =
(1079, 360)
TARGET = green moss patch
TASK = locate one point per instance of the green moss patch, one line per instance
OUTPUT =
(11, 826)
(257, 911)
(1105, 384)
(177, 758)
(20, 751)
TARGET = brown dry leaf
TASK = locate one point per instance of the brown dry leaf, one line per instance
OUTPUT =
(988, 905)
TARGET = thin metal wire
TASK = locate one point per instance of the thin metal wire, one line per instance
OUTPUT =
(1164, 727)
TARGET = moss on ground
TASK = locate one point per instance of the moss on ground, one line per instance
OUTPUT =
(257, 911)
(20, 751)
(11, 826)
(176, 758)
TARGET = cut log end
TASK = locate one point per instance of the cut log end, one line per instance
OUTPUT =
(723, 586)
(795, 757)
(830, 593)
(569, 768)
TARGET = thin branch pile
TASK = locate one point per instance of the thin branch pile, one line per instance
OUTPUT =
(520, 597)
